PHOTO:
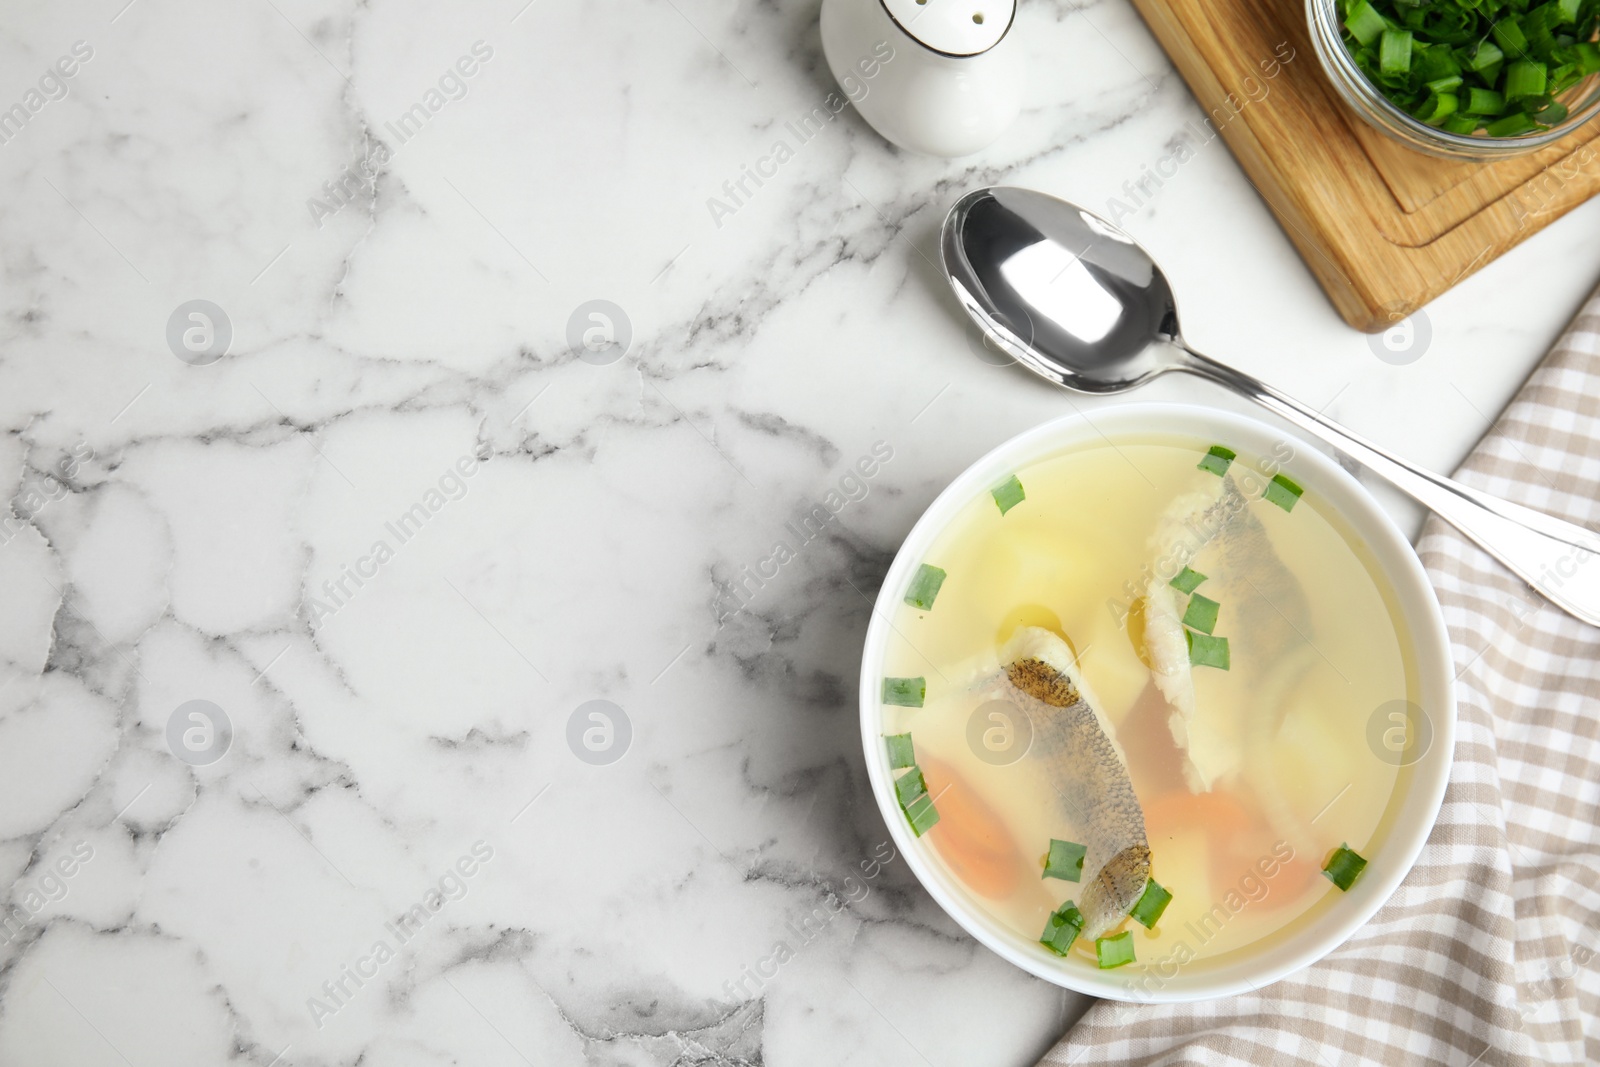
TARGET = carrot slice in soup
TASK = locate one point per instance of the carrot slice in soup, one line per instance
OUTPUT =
(970, 837)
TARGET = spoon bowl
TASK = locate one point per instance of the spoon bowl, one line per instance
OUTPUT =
(1076, 300)
(1066, 293)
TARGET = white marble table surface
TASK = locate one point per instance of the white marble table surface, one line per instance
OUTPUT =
(401, 745)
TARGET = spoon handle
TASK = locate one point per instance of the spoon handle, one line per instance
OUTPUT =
(1554, 556)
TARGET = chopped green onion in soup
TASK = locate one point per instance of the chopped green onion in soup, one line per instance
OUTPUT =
(901, 753)
(1201, 614)
(1062, 928)
(910, 785)
(905, 692)
(1065, 860)
(1008, 494)
(1283, 491)
(1344, 866)
(1147, 911)
(921, 814)
(1187, 581)
(1217, 460)
(1114, 951)
(1208, 651)
(925, 587)
(911, 790)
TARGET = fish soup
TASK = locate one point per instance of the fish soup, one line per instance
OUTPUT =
(1129, 699)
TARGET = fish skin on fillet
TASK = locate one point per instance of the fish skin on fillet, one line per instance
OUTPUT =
(1088, 770)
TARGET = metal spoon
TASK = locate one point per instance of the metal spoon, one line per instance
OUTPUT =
(1076, 300)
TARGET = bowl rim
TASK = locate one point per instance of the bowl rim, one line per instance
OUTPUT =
(1340, 66)
(1420, 610)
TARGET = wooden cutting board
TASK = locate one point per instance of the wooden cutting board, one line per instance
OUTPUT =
(1385, 229)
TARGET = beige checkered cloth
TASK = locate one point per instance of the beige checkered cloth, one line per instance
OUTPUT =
(1489, 953)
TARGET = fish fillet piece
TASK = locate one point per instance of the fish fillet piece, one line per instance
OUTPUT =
(1088, 770)
(1212, 530)
(1167, 650)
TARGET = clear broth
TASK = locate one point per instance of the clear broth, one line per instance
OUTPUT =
(1064, 559)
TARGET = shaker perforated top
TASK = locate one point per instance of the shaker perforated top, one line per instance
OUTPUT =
(954, 27)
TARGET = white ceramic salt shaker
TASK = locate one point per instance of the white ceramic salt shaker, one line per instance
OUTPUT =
(942, 77)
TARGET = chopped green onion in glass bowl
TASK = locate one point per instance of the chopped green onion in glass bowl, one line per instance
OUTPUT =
(1468, 79)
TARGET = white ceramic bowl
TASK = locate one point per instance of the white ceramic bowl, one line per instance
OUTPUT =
(1390, 855)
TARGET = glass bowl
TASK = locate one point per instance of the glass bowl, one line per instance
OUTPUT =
(1582, 100)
